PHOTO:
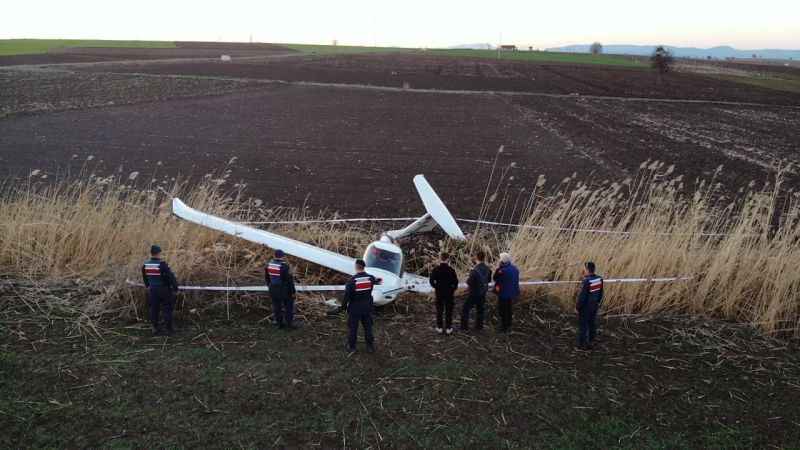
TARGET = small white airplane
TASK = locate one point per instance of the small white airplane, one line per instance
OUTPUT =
(384, 258)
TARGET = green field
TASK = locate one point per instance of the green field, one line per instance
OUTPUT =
(542, 57)
(545, 57)
(38, 46)
(343, 49)
(780, 83)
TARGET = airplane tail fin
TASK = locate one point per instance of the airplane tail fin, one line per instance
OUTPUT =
(437, 214)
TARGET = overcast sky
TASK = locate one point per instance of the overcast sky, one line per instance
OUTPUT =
(415, 23)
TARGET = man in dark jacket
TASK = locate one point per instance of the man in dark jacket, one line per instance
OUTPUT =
(506, 286)
(358, 304)
(445, 282)
(589, 300)
(478, 285)
(280, 280)
(161, 288)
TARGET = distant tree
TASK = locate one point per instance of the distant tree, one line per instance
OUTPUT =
(596, 48)
(662, 61)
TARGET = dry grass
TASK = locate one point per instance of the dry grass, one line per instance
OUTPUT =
(742, 253)
(98, 231)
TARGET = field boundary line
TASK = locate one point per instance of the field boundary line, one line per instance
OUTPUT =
(370, 87)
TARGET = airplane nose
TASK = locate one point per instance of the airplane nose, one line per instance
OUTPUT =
(379, 298)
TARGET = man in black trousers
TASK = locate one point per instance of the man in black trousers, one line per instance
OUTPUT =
(279, 279)
(161, 288)
(478, 285)
(358, 303)
(445, 281)
(587, 305)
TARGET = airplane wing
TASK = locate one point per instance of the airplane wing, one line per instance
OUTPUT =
(316, 255)
(605, 280)
(328, 288)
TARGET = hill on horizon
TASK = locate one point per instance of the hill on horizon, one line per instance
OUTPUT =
(721, 52)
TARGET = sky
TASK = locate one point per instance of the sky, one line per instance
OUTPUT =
(416, 23)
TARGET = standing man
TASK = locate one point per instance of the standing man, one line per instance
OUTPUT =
(445, 281)
(589, 300)
(478, 285)
(506, 286)
(161, 288)
(280, 280)
(358, 304)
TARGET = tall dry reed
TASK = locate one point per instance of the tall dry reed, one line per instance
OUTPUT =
(742, 253)
(98, 231)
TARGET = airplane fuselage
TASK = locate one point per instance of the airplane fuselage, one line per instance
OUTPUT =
(385, 261)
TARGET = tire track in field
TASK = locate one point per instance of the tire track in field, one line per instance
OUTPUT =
(370, 87)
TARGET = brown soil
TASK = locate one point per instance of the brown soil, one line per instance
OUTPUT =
(431, 72)
(355, 151)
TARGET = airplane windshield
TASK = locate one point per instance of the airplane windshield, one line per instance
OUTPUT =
(384, 259)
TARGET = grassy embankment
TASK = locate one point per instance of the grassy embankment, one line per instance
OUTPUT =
(769, 81)
(544, 57)
(38, 46)
(525, 56)
(344, 49)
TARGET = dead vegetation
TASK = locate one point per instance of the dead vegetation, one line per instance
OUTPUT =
(653, 382)
(741, 255)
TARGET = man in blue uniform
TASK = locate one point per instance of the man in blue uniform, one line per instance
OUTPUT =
(444, 281)
(161, 288)
(280, 280)
(506, 286)
(477, 285)
(589, 300)
(358, 304)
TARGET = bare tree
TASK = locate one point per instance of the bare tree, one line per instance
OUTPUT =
(662, 61)
(596, 48)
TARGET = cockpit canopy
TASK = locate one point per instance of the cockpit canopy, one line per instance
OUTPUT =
(384, 256)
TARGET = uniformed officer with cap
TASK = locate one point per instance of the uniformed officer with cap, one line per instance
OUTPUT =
(589, 300)
(280, 280)
(358, 304)
(162, 286)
